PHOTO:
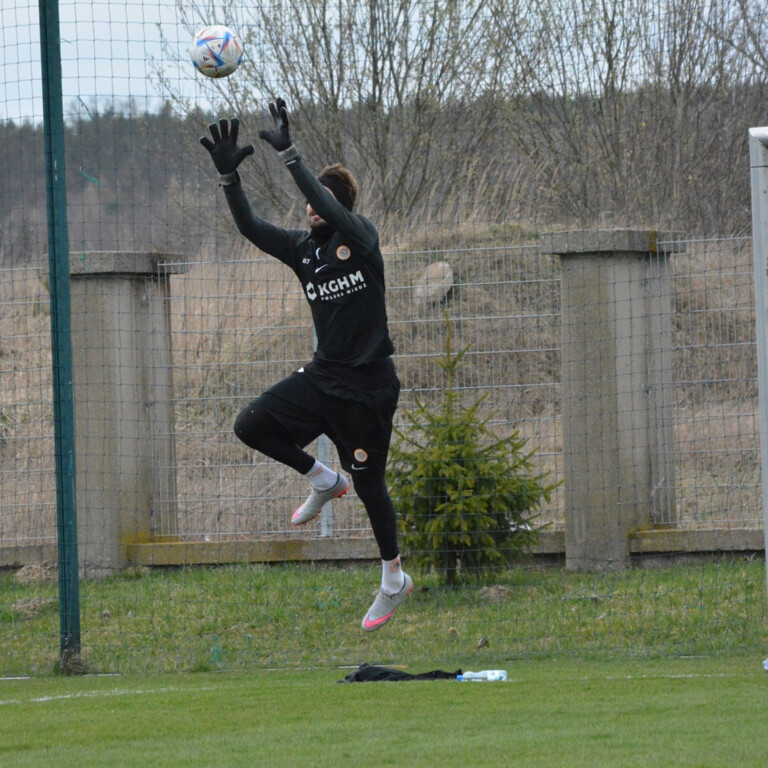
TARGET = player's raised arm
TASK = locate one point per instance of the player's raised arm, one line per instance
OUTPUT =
(336, 212)
(227, 156)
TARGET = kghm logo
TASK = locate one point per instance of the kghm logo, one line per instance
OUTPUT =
(336, 287)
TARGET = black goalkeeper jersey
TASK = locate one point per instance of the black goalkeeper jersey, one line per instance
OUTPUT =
(342, 274)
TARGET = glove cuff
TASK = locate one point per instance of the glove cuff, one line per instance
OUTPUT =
(228, 179)
(290, 155)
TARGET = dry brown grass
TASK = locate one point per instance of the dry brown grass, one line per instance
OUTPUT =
(27, 479)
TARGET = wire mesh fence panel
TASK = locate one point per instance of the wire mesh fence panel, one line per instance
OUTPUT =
(718, 439)
(240, 326)
(517, 179)
(28, 482)
(500, 306)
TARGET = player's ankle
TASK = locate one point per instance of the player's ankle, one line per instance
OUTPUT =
(392, 578)
(322, 477)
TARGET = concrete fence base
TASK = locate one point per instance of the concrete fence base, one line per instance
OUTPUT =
(616, 392)
(123, 395)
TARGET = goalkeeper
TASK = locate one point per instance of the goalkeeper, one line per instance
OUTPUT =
(349, 390)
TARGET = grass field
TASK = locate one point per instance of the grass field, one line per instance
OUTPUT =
(300, 616)
(303, 616)
(681, 712)
(238, 666)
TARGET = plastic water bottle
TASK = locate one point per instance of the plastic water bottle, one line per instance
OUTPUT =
(485, 675)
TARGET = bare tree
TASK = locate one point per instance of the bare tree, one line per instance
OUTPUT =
(635, 109)
(605, 112)
(691, 76)
(575, 65)
(389, 87)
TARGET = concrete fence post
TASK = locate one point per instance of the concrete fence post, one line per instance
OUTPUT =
(617, 392)
(122, 388)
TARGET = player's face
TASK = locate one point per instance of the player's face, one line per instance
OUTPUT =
(314, 219)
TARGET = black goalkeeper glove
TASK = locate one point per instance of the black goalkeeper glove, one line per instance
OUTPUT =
(279, 137)
(224, 151)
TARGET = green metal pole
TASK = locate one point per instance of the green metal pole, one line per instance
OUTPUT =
(61, 339)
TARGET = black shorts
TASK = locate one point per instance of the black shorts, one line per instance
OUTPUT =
(353, 407)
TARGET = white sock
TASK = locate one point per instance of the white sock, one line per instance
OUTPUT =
(321, 477)
(392, 579)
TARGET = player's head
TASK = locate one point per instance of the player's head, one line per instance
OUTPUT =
(341, 183)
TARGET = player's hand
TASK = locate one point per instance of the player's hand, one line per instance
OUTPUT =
(223, 148)
(279, 138)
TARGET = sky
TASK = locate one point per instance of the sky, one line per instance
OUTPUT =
(109, 49)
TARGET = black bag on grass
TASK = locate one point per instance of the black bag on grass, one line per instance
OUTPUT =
(369, 673)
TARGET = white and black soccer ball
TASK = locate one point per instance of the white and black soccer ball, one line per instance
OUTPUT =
(216, 51)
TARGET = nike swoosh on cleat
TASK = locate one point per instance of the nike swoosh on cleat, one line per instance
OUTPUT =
(378, 622)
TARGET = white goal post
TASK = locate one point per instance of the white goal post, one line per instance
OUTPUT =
(758, 161)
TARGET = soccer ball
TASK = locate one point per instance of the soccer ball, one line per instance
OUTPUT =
(216, 51)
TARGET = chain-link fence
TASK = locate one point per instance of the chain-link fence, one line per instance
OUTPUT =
(520, 120)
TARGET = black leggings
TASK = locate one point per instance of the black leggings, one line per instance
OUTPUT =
(260, 431)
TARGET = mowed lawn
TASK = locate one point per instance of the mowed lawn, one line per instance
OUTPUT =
(673, 712)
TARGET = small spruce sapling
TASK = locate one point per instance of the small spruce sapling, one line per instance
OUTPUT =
(466, 499)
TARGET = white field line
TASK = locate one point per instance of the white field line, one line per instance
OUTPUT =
(174, 689)
(98, 694)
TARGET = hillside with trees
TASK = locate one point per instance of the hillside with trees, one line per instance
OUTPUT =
(454, 116)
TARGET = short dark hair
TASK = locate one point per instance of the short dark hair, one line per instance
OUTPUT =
(341, 182)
